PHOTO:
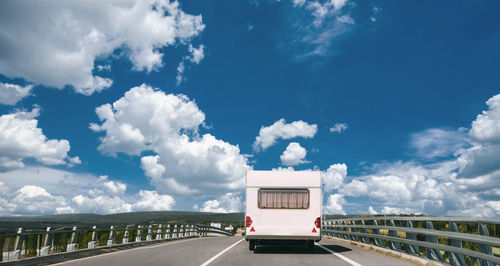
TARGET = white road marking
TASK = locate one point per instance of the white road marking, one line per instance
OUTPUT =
(132, 249)
(346, 259)
(220, 253)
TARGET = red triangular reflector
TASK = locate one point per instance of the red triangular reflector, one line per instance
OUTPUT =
(252, 230)
(314, 230)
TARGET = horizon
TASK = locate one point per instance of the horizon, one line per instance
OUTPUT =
(111, 107)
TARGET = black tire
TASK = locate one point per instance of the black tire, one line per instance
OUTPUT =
(251, 245)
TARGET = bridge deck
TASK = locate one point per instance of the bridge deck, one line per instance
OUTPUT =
(198, 251)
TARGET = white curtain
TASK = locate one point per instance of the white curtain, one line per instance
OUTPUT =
(284, 199)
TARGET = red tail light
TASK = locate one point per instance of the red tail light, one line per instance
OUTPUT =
(317, 222)
(249, 221)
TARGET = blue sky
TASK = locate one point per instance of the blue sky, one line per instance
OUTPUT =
(113, 106)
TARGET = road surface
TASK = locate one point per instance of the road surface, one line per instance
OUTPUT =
(234, 251)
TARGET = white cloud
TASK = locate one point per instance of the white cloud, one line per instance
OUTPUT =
(21, 138)
(152, 201)
(45, 191)
(102, 203)
(316, 25)
(280, 129)
(104, 67)
(338, 127)
(437, 142)
(145, 119)
(196, 55)
(392, 210)
(486, 127)
(482, 158)
(372, 211)
(293, 155)
(429, 188)
(334, 176)
(334, 204)
(298, 2)
(69, 36)
(10, 94)
(346, 19)
(36, 200)
(75, 160)
(230, 202)
(338, 4)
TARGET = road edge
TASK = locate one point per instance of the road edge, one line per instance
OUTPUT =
(392, 253)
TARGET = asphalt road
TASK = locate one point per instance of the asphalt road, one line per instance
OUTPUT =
(234, 251)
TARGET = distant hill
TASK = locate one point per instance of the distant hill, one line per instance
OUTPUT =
(130, 218)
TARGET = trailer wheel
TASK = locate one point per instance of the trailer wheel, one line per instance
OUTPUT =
(251, 245)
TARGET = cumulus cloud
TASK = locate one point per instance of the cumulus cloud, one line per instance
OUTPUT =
(293, 155)
(21, 138)
(372, 211)
(196, 55)
(10, 94)
(56, 43)
(145, 119)
(334, 204)
(424, 188)
(482, 157)
(334, 176)
(152, 201)
(52, 191)
(230, 202)
(486, 127)
(338, 127)
(30, 200)
(281, 130)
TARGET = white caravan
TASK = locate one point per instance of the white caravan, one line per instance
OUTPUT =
(283, 206)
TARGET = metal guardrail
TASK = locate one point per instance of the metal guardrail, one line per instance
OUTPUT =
(204, 230)
(449, 243)
(15, 243)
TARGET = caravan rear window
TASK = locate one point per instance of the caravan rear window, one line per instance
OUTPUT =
(283, 198)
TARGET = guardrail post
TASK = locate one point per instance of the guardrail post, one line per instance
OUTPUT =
(352, 229)
(167, 232)
(345, 235)
(483, 248)
(138, 237)
(149, 236)
(364, 239)
(174, 235)
(181, 234)
(158, 233)
(111, 239)
(432, 254)
(73, 241)
(93, 242)
(125, 236)
(411, 249)
(47, 243)
(377, 241)
(337, 226)
(393, 233)
(455, 258)
(18, 244)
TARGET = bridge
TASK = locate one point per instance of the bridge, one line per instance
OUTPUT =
(379, 240)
